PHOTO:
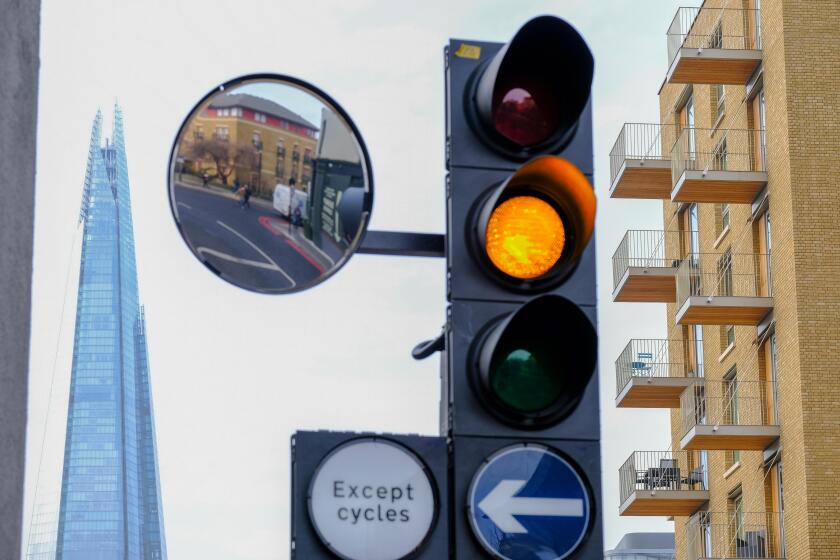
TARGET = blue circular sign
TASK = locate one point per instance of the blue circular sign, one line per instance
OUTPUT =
(526, 502)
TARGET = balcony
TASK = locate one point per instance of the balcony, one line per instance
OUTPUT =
(652, 374)
(721, 535)
(639, 167)
(713, 46)
(645, 266)
(662, 483)
(727, 169)
(728, 415)
(723, 289)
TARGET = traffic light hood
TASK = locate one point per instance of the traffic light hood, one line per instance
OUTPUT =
(530, 95)
(561, 185)
(533, 365)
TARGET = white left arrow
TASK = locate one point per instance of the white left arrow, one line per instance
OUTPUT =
(501, 505)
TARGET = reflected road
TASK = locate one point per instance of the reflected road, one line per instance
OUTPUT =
(253, 246)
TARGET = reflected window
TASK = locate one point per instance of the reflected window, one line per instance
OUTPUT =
(198, 133)
(222, 133)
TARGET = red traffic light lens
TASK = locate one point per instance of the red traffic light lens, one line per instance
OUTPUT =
(524, 116)
(529, 97)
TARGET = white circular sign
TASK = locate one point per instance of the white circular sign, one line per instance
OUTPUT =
(372, 499)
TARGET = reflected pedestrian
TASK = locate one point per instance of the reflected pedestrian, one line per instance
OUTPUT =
(245, 193)
(205, 178)
(296, 218)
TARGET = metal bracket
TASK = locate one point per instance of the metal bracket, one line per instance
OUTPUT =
(429, 347)
(403, 244)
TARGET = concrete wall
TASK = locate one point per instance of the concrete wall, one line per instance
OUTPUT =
(19, 29)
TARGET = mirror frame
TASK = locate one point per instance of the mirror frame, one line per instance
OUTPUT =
(327, 100)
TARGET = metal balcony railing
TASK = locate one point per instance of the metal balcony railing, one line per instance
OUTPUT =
(660, 470)
(641, 141)
(646, 358)
(714, 28)
(705, 149)
(723, 275)
(646, 249)
(735, 534)
(729, 402)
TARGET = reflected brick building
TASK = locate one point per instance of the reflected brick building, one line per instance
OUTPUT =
(283, 142)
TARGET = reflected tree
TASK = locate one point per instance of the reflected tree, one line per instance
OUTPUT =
(226, 156)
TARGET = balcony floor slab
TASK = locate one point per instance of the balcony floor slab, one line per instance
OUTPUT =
(728, 437)
(653, 392)
(713, 66)
(656, 284)
(723, 310)
(643, 179)
(680, 503)
(735, 187)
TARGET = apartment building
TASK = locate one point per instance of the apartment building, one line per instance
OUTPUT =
(745, 162)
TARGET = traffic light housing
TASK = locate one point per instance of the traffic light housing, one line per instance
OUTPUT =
(520, 367)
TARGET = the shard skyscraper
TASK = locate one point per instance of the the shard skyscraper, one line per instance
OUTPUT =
(110, 491)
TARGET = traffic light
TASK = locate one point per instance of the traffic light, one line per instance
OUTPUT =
(520, 384)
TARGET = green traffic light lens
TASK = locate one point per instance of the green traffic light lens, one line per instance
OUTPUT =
(525, 381)
(532, 366)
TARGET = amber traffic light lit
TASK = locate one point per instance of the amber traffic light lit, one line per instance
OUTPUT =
(525, 237)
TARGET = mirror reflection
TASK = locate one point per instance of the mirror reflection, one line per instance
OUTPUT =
(270, 185)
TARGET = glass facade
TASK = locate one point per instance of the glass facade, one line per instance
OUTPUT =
(110, 493)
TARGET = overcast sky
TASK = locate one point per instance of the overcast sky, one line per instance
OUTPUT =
(234, 374)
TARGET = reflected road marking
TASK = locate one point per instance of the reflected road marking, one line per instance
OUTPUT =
(224, 256)
(258, 250)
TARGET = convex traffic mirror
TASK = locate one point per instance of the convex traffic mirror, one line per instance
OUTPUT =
(270, 184)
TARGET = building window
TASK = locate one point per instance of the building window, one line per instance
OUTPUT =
(687, 121)
(256, 140)
(296, 153)
(730, 396)
(716, 37)
(724, 266)
(769, 247)
(773, 359)
(718, 98)
(721, 219)
(697, 344)
(706, 528)
(307, 156)
(780, 493)
(737, 535)
(198, 134)
(222, 133)
(259, 117)
(719, 156)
